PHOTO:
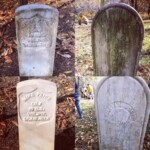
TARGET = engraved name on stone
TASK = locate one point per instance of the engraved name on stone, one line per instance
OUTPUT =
(35, 110)
(38, 94)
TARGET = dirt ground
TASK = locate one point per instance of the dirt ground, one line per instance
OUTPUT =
(65, 120)
(64, 56)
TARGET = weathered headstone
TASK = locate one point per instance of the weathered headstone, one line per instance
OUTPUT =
(117, 36)
(36, 100)
(122, 111)
(36, 28)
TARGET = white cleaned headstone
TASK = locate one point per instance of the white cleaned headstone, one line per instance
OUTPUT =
(122, 111)
(36, 30)
(117, 36)
(36, 102)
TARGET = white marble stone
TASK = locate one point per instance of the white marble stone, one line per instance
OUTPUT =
(36, 102)
(36, 30)
(122, 111)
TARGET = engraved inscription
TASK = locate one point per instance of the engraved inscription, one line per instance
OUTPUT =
(116, 110)
(36, 112)
(36, 94)
(35, 32)
(35, 107)
(126, 121)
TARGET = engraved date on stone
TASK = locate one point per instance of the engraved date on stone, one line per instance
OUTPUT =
(36, 107)
(36, 112)
(36, 119)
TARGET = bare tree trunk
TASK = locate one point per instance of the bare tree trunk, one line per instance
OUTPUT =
(136, 6)
(132, 3)
(102, 2)
(23, 2)
(148, 12)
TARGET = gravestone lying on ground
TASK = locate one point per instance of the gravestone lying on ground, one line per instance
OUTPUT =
(117, 36)
(36, 29)
(122, 111)
(36, 101)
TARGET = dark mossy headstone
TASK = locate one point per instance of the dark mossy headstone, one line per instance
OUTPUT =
(117, 36)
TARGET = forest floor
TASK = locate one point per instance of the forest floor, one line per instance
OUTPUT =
(64, 56)
(84, 58)
(86, 129)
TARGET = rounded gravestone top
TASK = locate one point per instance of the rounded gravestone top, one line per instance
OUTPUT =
(34, 81)
(122, 111)
(120, 5)
(34, 7)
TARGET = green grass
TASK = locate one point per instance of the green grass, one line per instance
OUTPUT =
(87, 103)
(146, 42)
(146, 25)
(145, 61)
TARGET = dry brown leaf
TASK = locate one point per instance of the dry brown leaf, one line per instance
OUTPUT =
(3, 124)
(8, 43)
(8, 59)
(15, 123)
(10, 50)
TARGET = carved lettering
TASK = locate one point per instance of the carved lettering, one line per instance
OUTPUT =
(117, 109)
(36, 110)
(36, 94)
(34, 34)
(36, 119)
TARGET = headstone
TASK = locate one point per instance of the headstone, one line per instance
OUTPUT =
(36, 102)
(36, 29)
(117, 36)
(122, 111)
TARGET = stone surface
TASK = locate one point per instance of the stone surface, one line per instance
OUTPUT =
(36, 102)
(117, 36)
(36, 29)
(122, 111)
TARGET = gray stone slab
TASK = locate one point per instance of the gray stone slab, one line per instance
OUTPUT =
(117, 36)
(122, 111)
(36, 29)
(36, 102)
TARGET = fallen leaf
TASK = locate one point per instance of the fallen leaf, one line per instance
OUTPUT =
(61, 16)
(15, 123)
(10, 50)
(68, 72)
(7, 43)
(8, 59)
(64, 55)
(3, 124)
